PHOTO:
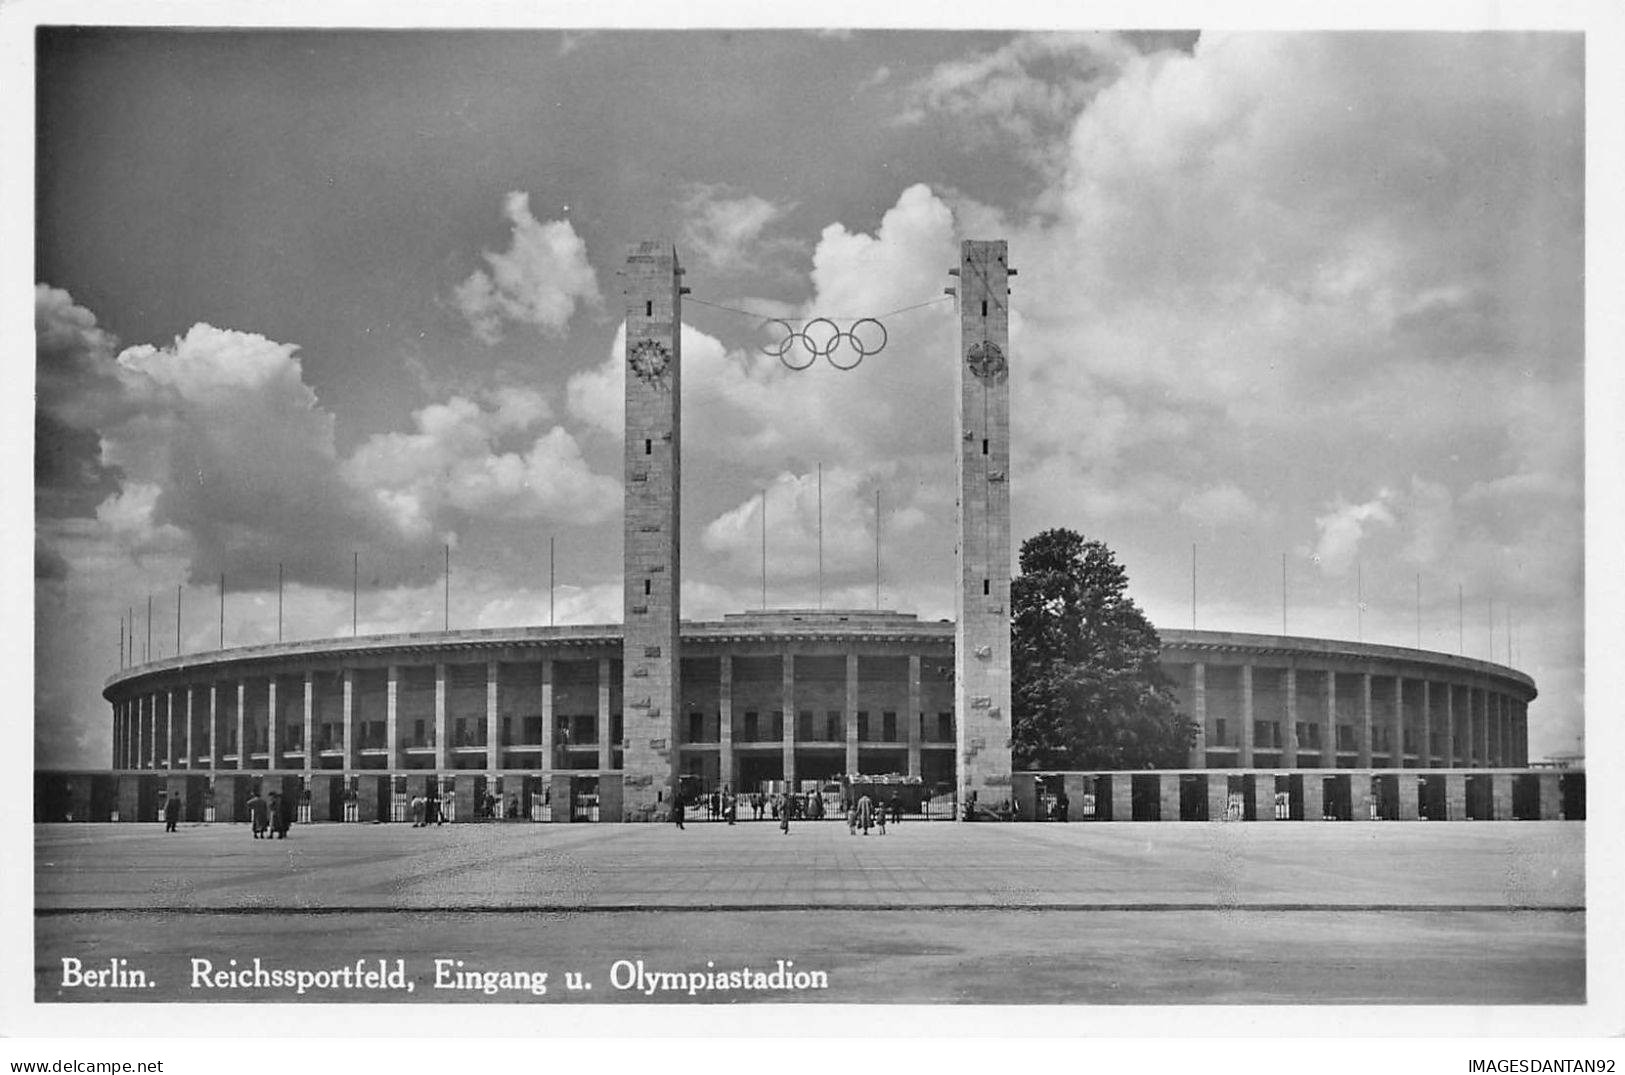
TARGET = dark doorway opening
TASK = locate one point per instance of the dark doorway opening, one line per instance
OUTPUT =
(1146, 797)
(1193, 797)
(1573, 786)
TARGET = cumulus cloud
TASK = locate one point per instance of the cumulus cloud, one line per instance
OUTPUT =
(466, 460)
(539, 280)
(1031, 88)
(1343, 528)
(726, 231)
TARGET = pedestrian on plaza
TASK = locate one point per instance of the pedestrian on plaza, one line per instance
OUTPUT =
(417, 811)
(880, 816)
(677, 810)
(784, 816)
(259, 816)
(1063, 806)
(172, 812)
(444, 808)
(730, 808)
(282, 811)
(273, 814)
(513, 807)
(866, 815)
(851, 807)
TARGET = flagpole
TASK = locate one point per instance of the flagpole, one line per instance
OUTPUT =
(550, 605)
(820, 535)
(877, 549)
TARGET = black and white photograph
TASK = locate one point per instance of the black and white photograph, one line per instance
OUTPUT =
(883, 528)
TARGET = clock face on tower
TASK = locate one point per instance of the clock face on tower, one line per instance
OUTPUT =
(650, 360)
(986, 361)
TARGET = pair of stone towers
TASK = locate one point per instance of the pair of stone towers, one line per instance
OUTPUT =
(652, 660)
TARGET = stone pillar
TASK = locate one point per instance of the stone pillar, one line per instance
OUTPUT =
(982, 452)
(1218, 796)
(606, 748)
(1198, 759)
(1123, 796)
(346, 718)
(1328, 736)
(1365, 720)
(1450, 726)
(1360, 796)
(1551, 796)
(1455, 796)
(392, 717)
(171, 743)
(1501, 796)
(652, 522)
(244, 761)
(1264, 797)
(214, 727)
(493, 725)
(914, 715)
(549, 762)
(310, 723)
(725, 719)
(191, 746)
(1410, 801)
(851, 718)
(1289, 734)
(1424, 749)
(1314, 796)
(788, 739)
(1168, 796)
(1475, 725)
(1245, 760)
(1397, 756)
(273, 721)
(442, 739)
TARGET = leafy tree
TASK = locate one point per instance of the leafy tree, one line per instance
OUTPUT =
(1088, 690)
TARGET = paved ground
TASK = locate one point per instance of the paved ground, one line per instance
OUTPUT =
(1091, 913)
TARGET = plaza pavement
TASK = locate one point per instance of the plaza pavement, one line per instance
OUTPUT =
(1083, 914)
(1477, 865)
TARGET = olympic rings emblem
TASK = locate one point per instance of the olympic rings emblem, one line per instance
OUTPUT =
(823, 338)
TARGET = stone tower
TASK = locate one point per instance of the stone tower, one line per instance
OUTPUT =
(982, 604)
(651, 665)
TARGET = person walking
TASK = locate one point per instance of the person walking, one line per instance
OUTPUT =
(282, 812)
(880, 816)
(865, 814)
(258, 815)
(677, 810)
(851, 815)
(172, 812)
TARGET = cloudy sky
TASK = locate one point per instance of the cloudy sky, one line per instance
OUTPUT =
(302, 295)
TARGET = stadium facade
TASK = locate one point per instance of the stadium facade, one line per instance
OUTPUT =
(618, 716)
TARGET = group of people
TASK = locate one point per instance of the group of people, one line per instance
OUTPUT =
(427, 811)
(865, 813)
(862, 812)
(270, 816)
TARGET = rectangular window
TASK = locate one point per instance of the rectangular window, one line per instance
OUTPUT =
(1220, 738)
(888, 727)
(804, 725)
(863, 725)
(945, 727)
(648, 447)
(696, 728)
(649, 308)
(617, 729)
(832, 724)
(750, 726)
(646, 587)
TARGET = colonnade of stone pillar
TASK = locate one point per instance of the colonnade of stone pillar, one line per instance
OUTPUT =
(271, 722)
(1394, 721)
